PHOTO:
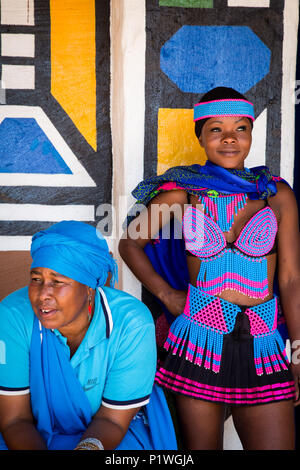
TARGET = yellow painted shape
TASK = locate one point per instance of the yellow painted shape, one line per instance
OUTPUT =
(177, 143)
(73, 62)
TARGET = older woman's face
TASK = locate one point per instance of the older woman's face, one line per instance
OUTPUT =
(58, 301)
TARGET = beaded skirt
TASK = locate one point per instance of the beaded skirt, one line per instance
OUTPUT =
(221, 352)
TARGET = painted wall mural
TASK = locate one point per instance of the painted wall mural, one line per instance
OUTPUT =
(55, 136)
(195, 45)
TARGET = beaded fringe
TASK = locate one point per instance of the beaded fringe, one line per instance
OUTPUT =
(234, 270)
(223, 209)
(267, 355)
(202, 346)
(192, 335)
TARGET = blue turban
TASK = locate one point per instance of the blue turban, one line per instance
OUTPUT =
(76, 250)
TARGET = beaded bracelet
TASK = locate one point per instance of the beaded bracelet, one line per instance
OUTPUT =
(90, 444)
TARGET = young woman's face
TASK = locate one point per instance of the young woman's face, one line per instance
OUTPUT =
(57, 300)
(227, 140)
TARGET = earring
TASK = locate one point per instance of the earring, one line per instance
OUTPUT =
(90, 308)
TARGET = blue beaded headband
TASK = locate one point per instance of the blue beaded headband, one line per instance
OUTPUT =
(227, 107)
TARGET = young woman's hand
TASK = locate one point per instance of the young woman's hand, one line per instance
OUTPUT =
(175, 300)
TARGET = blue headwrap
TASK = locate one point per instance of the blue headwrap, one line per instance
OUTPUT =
(76, 250)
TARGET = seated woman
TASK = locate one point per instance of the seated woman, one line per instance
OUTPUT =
(80, 357)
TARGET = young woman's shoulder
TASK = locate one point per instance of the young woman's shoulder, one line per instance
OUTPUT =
(174, 196)
(284, 195)
(284, 202)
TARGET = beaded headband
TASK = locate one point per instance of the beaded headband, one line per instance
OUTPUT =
(226, 107)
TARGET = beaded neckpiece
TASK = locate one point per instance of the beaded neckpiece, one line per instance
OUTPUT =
(222, 209)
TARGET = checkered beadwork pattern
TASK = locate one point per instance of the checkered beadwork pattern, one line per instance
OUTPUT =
(229, 107)
(268, 344)
(197, 334)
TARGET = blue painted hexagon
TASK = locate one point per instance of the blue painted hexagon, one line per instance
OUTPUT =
(198, 58)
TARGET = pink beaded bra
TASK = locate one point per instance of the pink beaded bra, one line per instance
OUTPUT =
(204, 238)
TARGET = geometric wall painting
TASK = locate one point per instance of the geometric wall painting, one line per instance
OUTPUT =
(55, 126)
(73, 82)
(249, 3)
(257, 154)
(17, 12)
(193, 47)
(187, 58)
(18, 77)
(24, 148)
(177, 143)
(187, 3)
(17, 45)
(33, 152)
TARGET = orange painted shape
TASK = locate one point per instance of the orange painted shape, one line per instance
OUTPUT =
(177, 143)
(73, 62)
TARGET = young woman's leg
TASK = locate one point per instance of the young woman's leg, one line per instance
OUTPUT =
(266, 427)
(201, 423)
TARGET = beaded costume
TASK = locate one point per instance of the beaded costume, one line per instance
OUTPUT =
(216, 350)
(195, 344)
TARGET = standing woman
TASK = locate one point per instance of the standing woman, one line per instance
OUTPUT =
(241, 240)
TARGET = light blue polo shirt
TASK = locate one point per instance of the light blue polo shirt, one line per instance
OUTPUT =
(115, 363)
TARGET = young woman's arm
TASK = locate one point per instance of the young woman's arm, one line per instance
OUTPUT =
(141, 230)
(289, 270)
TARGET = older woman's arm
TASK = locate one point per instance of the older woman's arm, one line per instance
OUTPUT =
(130, 376)
(109, 426)
(16, 424)
(289, 271)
